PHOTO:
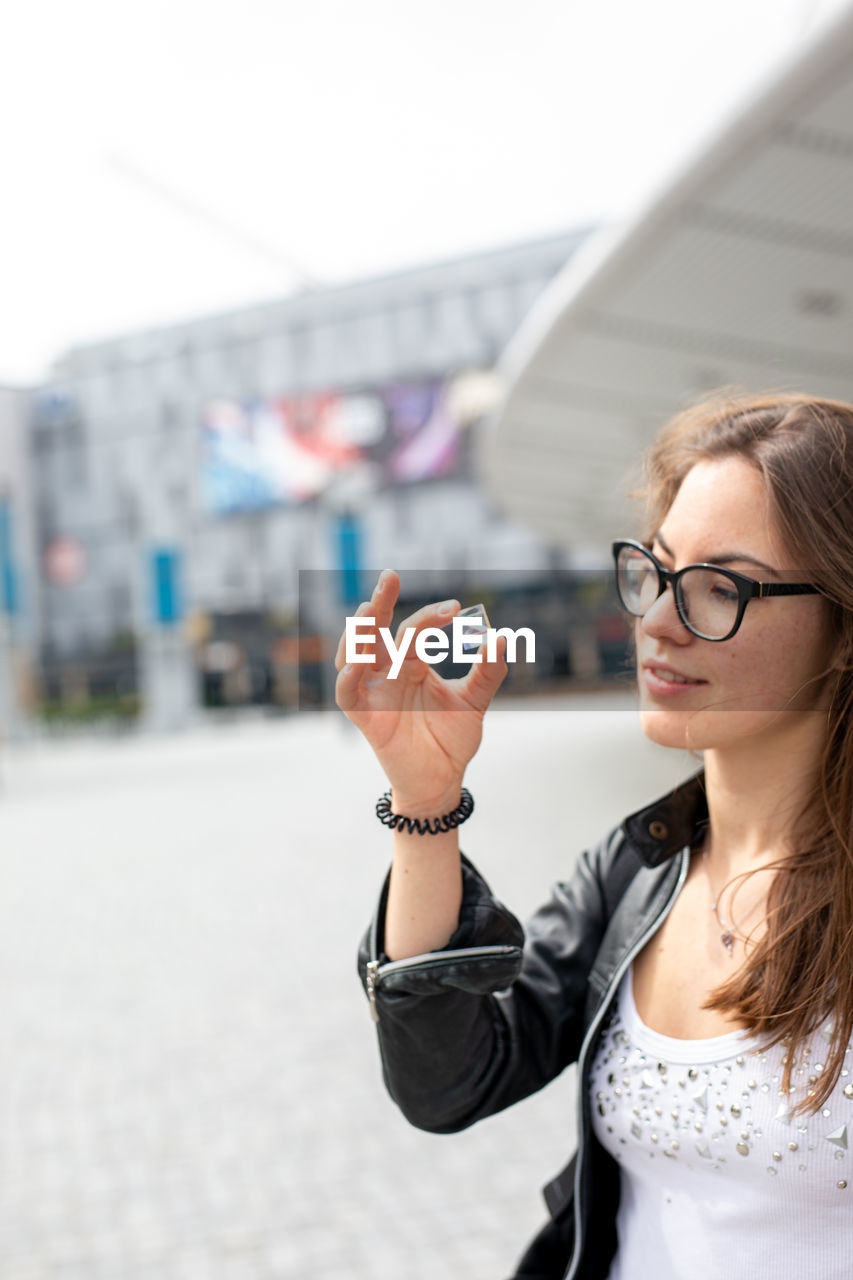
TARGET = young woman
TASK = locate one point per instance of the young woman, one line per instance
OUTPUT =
(698, 965)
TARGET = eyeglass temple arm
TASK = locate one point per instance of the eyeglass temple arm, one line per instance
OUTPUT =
(784, 589)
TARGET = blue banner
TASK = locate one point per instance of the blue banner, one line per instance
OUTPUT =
(8, 577)
(349, 557)
(167, 605)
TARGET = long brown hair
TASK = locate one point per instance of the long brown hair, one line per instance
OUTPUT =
(801, 970)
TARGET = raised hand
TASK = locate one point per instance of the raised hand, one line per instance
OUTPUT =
(423, 729)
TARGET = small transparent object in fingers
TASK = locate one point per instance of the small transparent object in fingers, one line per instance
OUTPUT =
(474, 637)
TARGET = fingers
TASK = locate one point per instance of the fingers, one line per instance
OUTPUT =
(407, 662)
(381, 607)
(347, 685)
(362, 611)
(431, 615)
(384, 597)
(484, 679)
(476, 689)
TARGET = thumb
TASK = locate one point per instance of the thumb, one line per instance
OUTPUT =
(485, 677)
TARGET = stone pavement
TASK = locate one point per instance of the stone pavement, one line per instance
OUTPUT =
(189, 1083)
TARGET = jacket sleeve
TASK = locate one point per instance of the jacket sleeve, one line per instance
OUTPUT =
(497, 1013)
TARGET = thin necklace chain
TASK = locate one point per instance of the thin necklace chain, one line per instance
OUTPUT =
(729, 933)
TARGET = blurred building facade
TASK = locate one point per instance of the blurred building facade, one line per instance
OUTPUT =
(19, 638)
(182, 477)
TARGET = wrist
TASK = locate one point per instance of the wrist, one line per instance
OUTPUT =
(431, 824)
(426, 804)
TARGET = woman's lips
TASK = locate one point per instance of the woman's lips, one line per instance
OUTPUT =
(664, 682)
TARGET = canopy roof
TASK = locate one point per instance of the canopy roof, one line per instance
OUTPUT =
(739, 272)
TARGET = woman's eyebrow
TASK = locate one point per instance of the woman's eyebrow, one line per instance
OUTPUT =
(728, 557)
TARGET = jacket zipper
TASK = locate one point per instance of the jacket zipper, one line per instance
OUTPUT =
(592, 1031)
(375, 970)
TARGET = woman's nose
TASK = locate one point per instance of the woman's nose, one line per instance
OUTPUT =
(662, 619)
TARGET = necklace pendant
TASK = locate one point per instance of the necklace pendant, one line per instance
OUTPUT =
(728, 941)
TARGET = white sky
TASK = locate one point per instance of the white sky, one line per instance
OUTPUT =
(166, 159)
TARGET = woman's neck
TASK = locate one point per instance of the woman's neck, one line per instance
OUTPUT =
(756, 791)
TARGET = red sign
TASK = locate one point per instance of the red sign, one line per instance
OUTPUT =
(64, 561)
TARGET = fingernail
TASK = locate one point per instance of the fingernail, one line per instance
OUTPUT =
(447, 607)
(347, 669)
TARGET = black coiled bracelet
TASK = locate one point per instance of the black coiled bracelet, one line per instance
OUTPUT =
(425, 826)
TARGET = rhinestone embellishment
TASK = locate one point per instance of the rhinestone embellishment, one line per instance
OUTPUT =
(839, 1137)
(699, 1116)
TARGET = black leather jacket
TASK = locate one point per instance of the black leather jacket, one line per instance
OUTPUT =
(495, 1015)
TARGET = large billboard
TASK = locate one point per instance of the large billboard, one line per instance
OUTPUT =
(262, 453)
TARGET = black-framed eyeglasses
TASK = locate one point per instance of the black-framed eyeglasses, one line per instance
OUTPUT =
(710, 600)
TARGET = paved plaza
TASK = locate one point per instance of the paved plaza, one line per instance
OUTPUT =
(189, 1081)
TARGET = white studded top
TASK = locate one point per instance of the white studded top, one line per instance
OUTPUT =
(718, 1178)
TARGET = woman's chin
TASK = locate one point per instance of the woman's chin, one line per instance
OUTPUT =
(666, 728)
(684, 728)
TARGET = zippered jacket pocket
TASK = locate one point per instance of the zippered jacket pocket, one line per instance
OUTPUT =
(477, 970)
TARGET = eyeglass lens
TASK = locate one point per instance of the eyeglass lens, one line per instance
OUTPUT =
(709, 600)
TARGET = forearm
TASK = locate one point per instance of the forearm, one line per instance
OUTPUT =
(425, 889)
(471, 1032)
(443, 1041)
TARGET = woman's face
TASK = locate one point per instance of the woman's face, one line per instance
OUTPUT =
(758, 682)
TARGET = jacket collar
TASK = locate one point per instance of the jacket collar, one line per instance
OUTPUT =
(663, 828)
